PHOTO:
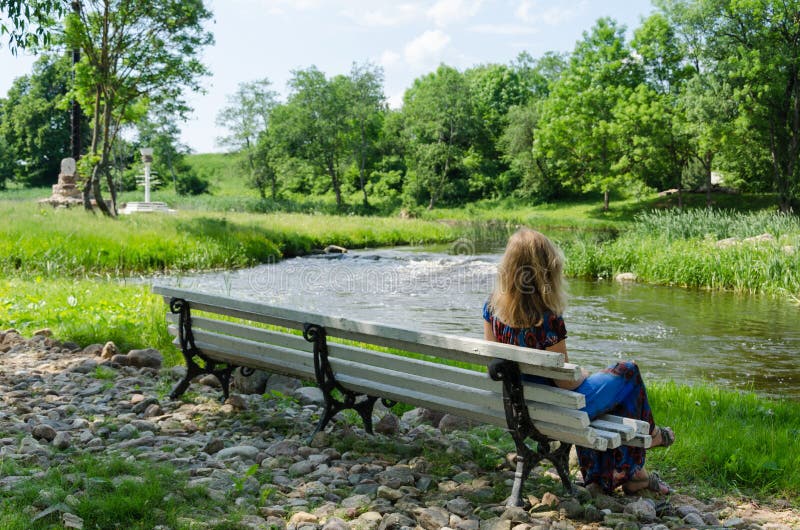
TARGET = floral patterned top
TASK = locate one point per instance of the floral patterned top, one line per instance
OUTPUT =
(552, 331)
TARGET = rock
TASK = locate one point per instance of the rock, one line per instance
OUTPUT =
(282, 384)
(120, 359)
(385, 492)
(694, 519)
(209, 380)
(237, 402)
(432, 518)
(459, 506)
(367, 521)
(214, 446)
(396, 476)
(245, 452)
(389, 424)
(298, 469)
(642, 510)
(623, 277)
(44, 432)
(142, 405)
(728, 242)
(44, 332)
(451, 422)
(334, 523)
(309, 395)
(496, 523)
(93, 350)
(283, 448)
(153, 411)
(146, 358)
(62, 440)
(86, 366)
(396, 521)
(733, 522)
(759, 238)
(303, 517)
(422, 415)
(256, 383)
(109, 350)
(550, 500)
(515, 514)
(334, 249)
(574, 509)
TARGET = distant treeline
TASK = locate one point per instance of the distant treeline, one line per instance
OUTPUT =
(703, 85)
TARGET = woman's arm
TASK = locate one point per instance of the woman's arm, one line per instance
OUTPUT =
(561, 347)
(488, 334)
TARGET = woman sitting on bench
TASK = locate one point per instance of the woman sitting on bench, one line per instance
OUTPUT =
(525, 310)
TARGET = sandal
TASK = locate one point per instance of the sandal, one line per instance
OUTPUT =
(652, 483)
(667, 436)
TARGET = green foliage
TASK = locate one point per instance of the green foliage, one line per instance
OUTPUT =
(35, 123)
(189, 183)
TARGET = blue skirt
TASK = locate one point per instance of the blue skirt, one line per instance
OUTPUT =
(618, 390)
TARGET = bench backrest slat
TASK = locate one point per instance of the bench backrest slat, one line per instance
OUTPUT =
(536, 392)
(463, 349)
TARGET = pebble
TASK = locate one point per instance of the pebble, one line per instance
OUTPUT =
(59, 406)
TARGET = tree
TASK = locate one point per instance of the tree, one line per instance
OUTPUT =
(29, 22)
(314, 127)
(754, 46)
(247, 118)
(439, 121)
(134, 54)
(366, 109)
(578, 134)
(34, 122)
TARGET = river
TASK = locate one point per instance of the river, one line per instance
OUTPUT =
(736, 341)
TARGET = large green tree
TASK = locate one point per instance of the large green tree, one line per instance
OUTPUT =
(754, 45)
(439, 120)
(134, 54)
(578, 133)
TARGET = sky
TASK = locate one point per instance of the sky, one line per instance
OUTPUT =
(258, 39)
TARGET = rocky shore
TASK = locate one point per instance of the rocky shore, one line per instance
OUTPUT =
(61, 401)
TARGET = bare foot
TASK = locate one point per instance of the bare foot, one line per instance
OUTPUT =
(646, 481)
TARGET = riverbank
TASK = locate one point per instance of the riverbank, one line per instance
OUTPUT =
(87, 441)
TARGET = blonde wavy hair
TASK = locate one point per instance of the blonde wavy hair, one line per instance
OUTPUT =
(529, 280)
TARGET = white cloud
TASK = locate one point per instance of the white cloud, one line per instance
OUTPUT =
(445, 12)
(532, 11)
(427, 49)
(389, 58)
(368, 15)
(503, 29)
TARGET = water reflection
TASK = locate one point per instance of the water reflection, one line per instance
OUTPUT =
(735, 341)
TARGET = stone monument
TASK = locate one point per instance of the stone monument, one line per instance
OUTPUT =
(66, 192)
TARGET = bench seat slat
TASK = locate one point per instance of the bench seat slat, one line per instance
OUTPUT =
(582, 437)
(451, 347)
(642, 427)
(536, 392)
(641, 440)
(627, 432)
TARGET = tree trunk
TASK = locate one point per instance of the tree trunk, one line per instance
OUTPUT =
(605, 200)
(363, 163)
(87, 188)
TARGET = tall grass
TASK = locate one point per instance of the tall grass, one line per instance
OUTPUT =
(38, 240)
(682, 248)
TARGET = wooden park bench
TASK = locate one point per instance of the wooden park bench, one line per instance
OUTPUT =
(356, 376)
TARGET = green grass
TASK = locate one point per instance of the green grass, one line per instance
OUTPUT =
(88, 312)
(728, 442)
(41, 241)
(106, 492)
